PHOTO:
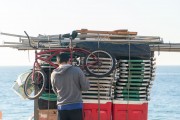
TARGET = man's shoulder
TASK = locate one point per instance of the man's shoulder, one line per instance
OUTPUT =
(75, 68)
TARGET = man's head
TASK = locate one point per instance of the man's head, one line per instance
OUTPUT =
(62, 58)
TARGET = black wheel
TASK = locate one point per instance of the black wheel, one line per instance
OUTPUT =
(34, 88)
(99, 63)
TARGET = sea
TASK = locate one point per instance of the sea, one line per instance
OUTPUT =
(164, 101)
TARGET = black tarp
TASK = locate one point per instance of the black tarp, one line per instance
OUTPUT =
(119, 51)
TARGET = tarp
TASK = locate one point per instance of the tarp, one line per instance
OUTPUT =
(119, 51)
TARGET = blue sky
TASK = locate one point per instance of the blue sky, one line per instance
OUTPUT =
(147, 17)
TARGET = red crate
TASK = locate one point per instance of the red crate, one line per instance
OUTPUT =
(124, 110)
(90, 110)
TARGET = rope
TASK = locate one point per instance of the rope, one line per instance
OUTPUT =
(128, 84)
(99, 103)
(49, 81)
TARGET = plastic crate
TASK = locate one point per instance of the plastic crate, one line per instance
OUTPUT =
(129, 110)
(91, 112)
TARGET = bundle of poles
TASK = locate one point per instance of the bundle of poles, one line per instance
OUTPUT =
(84, 35)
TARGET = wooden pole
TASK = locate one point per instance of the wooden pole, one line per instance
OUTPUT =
(36, 112)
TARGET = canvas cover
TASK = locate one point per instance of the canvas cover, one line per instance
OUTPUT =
(119, 51)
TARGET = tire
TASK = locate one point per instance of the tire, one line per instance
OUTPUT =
(38, 84)
(99, 63)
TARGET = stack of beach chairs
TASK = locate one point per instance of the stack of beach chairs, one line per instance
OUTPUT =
(100, 87)
(134, 79)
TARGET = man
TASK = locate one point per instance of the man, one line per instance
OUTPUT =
(67, 82)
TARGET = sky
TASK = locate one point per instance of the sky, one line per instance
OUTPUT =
(147, 17)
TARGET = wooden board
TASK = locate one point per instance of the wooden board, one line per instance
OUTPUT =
(115, 32)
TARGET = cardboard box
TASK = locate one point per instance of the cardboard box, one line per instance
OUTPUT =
(50, 114)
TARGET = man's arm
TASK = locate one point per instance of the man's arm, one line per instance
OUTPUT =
(53, 82)
(84, 83)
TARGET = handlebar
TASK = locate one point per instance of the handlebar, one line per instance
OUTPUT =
(72, 36)
(38, 45)
(28, 39)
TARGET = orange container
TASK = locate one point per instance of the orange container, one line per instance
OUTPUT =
(131, 110)
(0, 115)
(91, 112)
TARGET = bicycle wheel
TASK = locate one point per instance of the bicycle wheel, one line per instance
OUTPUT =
(34, 88)
(99, 63)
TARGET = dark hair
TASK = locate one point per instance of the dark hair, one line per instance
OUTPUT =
(63, 57)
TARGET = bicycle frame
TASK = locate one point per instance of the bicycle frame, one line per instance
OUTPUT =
(55, 53)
